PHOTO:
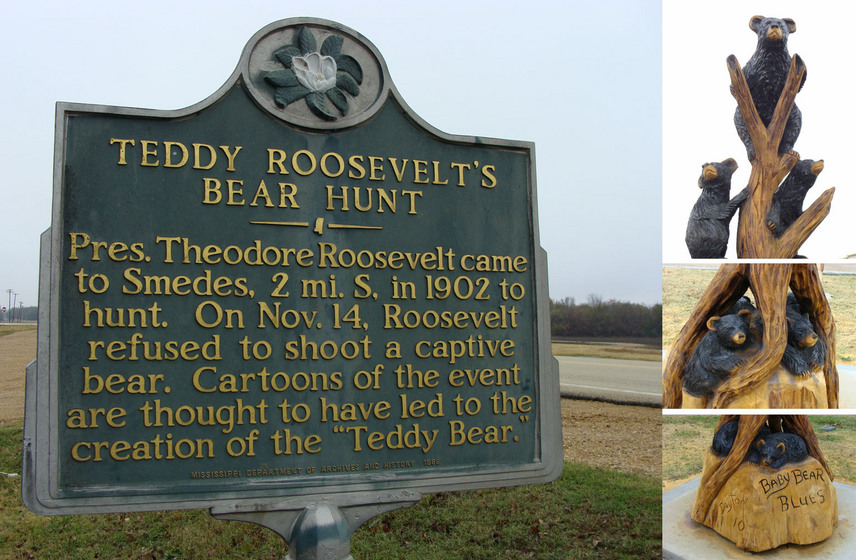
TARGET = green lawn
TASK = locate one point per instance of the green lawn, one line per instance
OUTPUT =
(586, 513)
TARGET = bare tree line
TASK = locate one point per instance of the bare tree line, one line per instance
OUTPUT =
(605, 319)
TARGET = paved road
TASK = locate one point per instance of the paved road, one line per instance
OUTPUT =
(628, 381)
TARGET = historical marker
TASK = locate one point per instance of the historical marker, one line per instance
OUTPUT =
(292, 293)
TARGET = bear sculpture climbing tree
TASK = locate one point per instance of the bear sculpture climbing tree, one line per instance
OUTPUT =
(769, 283)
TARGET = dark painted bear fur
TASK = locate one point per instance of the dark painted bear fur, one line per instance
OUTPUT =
(788, 199)
(777, 449)
(729, 339)
(707, 228)
(804, 349)
(766, 73)
(743, 303)
(724, 437)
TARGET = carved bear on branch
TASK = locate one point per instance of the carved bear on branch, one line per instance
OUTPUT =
(707, 229)
(788, 199)
(766, 73)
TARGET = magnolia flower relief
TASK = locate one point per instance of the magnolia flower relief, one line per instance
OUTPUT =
(315, 75)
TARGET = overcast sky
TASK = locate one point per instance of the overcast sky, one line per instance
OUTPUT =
(698, 109)
(581, 79)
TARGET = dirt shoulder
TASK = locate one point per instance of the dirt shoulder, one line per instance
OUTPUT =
(612, 436)
(16, 351)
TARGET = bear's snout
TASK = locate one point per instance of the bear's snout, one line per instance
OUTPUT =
(774, 33)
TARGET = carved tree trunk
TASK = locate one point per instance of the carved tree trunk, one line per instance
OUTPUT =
(755, 240)
(716, 476)
(768, 282)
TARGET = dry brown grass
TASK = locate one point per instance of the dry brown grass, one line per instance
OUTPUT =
(17, 349)
(614, 350)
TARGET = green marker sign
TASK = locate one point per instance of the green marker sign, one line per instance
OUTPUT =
(295, 288)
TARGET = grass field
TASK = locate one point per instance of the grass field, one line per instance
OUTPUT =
(614, 350)
(6, 328)
(587, 513)
(683, 287)
(685, 438)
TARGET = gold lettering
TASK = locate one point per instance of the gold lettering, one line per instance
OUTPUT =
(487, 171)
(358, 172)
(185, 155)
(420, 169)
(276, 157)
(339, 161)
(144, 144)
(436, 181)
(197, 156)
(230, 156)
(460, 167)
(375, 166)
(262, 192)
(122, 143)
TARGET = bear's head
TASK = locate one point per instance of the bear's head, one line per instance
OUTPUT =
(805, 173)
(732, 331)
(800, 331)
(768, 453)
(715, 175)
(772, 31)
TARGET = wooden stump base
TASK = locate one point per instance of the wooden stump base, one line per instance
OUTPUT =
(783, 390)
(760, 509)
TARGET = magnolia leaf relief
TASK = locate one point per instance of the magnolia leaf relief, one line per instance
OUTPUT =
(282, 96)
(318, 105)
(350, 65)
(285, 54)
(306, 41)
(346, 82)
(314, 75)
(338, 99)
(332, 46)
(282, 78)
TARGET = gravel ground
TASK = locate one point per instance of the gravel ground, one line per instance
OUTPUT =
(619, 437)
(612, 436)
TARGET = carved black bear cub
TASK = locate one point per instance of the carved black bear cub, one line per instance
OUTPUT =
(804, 349)
(778, 449)
(743, 303)
(766, 73)
(788, 199)
(707, 229)
(721, 350)
(723, 439)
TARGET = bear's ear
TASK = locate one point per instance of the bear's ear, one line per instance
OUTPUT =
(755, 22)
(781, 446)
(759, 444)
(711, 323)
(745, 313)
(792, 27)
